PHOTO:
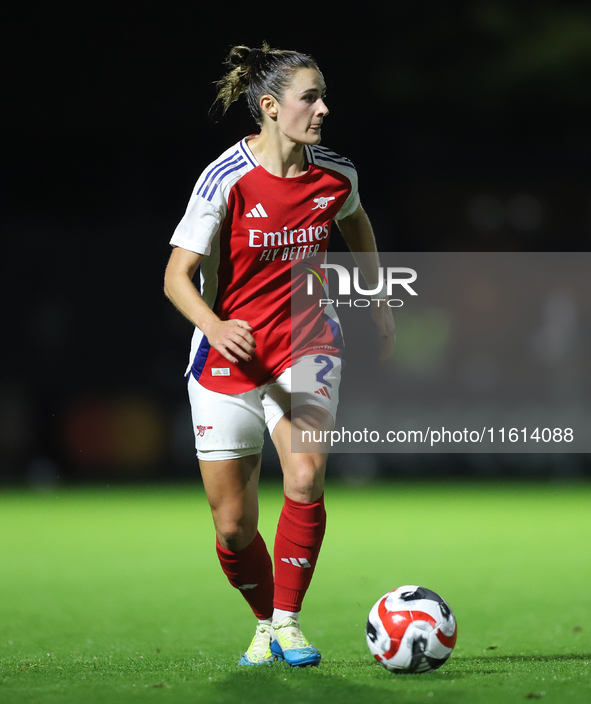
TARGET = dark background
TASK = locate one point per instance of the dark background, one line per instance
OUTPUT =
(468, 123)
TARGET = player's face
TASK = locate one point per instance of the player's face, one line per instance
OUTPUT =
(302, 108)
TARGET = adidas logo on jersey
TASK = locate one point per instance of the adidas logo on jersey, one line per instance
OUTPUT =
(257, 212)
(296, 561)
(323, 392)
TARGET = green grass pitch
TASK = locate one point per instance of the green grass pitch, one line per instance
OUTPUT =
(115, 595)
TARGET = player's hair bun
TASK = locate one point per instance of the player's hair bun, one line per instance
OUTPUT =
(243, 63)
(246, 59)
(254, 56)
(238, 55)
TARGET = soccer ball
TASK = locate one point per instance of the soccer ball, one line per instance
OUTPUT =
(411, 629)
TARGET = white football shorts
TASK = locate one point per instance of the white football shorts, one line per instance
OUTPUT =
(229, 426)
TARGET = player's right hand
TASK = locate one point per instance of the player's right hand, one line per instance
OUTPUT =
(232, 339)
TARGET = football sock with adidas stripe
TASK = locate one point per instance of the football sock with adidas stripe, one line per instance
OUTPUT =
(299, 536)
(251, 571)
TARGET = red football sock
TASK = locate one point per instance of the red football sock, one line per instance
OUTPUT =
(251, 571)
(297, 544)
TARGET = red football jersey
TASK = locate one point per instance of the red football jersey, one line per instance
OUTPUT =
(253, 227)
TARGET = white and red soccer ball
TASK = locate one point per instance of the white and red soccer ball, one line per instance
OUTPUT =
(411, 629)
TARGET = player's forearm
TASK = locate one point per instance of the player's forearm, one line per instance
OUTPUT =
(358, 234)
(180, 290)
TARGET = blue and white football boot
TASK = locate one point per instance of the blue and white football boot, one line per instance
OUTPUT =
(290, 645)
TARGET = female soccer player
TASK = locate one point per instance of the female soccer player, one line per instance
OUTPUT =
(264, 204)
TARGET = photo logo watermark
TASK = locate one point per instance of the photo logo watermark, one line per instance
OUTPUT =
(382, 291)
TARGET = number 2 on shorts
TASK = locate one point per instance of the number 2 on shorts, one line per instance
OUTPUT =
(328, 365)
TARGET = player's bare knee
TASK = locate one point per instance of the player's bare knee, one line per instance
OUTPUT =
(304, 478)
(235, 532)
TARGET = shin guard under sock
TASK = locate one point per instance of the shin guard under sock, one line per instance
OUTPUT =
(297, 544)
(251, 571)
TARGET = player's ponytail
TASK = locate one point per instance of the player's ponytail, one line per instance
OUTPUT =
(257, 72)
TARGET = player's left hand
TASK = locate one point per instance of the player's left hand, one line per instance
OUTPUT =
(382, 316)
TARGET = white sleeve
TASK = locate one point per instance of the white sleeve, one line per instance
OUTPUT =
(200, 224)
(353, 201)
